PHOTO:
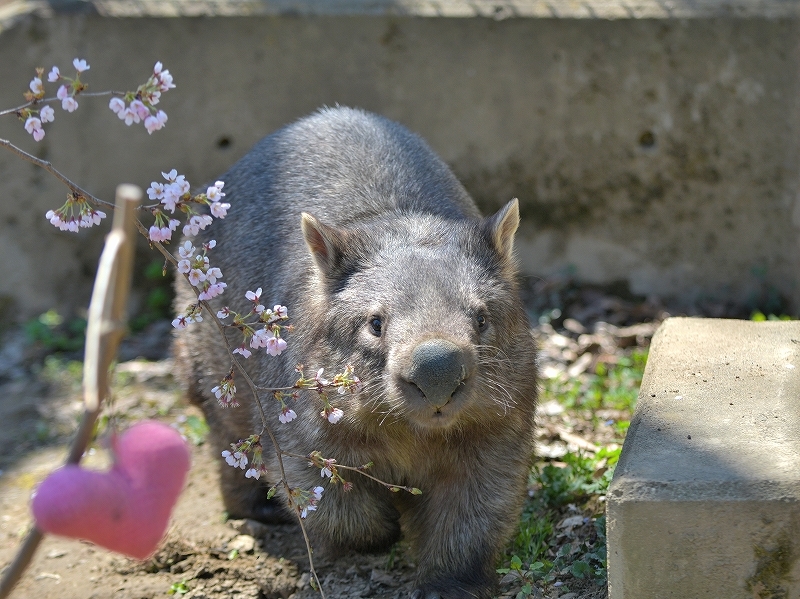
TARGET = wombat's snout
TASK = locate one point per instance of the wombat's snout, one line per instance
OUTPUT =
(437, 368)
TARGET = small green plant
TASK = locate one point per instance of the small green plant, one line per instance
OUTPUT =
(541, 553)
(561, 539)
(610, 386)
(195, 429)
(57, 370)
(761, 317)
(158, 300)
(53, 333)
(178, 588)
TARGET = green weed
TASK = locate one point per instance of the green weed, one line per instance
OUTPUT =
(761, 317)
(51, 331)
(561, 541)
(613, 386)
(158, 298)
(195, 429)
(178, 588)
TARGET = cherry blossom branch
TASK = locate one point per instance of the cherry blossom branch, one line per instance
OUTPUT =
(273, 439)
(330, 466)
(40, 101)
(136, 107)
(46, 165)
(255, 390)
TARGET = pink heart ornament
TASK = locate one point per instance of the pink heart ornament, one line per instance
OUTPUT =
(126, 509)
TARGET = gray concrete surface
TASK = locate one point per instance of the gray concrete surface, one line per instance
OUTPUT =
(705, 500)
(661, 152)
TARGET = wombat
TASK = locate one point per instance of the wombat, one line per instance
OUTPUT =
(384, 263)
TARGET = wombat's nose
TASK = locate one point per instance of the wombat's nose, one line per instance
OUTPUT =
(437, 368)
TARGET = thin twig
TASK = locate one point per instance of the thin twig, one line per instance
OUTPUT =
(46, 100)
(255, 391)
(361, 470)
(265, 428)
(52, 170)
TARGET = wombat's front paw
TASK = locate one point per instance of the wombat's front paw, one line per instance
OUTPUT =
(456, 591)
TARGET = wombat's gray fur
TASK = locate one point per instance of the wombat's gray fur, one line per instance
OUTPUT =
(397, 274)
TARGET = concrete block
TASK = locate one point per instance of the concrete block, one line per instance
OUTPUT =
(705, 501)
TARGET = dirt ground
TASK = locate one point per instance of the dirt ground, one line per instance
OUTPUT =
(214, 558)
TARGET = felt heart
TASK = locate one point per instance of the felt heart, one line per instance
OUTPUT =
(126, 509)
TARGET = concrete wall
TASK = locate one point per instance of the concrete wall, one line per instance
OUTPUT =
(658, 152)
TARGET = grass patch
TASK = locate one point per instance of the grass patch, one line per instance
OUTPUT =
(614, 386)
(560, 544)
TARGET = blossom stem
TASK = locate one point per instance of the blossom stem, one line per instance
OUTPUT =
(360, 470)
(52, 170)
(266, 429)
(53, 99)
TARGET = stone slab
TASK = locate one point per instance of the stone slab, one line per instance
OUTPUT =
(705, 500)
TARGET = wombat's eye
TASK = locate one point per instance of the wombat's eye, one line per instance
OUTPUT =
(376, 325)
(481, 321)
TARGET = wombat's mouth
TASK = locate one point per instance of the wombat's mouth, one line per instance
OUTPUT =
(435, 412)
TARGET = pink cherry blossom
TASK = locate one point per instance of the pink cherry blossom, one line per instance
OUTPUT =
(47, 114)
(116, 105)
(155, 191)
(212, 274)
(214, 193)
(54, 75)
(275, 345)
(196, 277)
(260, 338)
(154, 122)
(243, 351)
(69, 104)
(187, 250)
(220, 209)
(36, 86)
(287, 415)
(246, 353)
(212, 291)
(34, 126)
(80, 65)
(129, 116)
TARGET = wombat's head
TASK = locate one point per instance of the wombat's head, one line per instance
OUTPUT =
(427, 311)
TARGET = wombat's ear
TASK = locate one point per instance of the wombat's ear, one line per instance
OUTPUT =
(326, 243)
(502, 227)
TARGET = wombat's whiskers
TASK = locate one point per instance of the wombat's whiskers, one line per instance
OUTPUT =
(383, 404)
(500, 390)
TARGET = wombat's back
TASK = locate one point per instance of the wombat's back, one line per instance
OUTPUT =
(342, 165)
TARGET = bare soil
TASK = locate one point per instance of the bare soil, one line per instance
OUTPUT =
(202, 555)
